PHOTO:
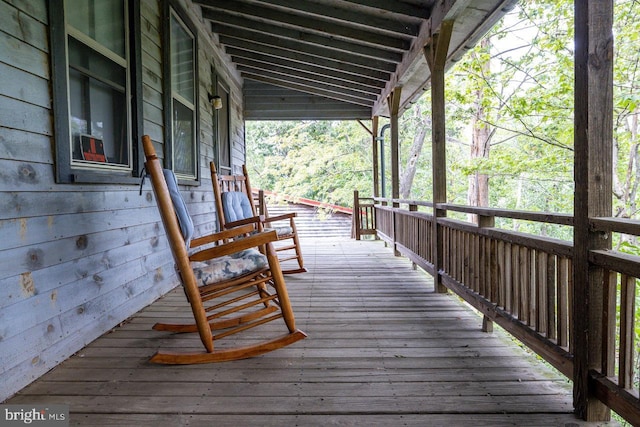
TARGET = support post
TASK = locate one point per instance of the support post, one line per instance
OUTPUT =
(593, 187)
(485, 222)
(394, 107)
(375, 156)
(356, 216)
(436, 54)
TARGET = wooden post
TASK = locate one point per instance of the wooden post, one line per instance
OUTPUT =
(487, 221)
(414, 208)
(436, 54)
(375, 154)
(593, 186)
(394, 107)
(356, 216)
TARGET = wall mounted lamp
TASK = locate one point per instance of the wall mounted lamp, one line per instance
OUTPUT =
(216, 101)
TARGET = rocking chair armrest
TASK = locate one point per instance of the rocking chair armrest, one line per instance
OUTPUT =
(257, 239)
(221, 235)
(279, 217)
(240, 222)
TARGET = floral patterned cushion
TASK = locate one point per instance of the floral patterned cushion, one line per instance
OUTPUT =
(228, 267)
(281, 231)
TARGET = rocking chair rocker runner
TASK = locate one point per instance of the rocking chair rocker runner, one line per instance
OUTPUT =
(228, 285)
(235, 207)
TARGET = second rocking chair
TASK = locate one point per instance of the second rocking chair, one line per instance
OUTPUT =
(235, 206)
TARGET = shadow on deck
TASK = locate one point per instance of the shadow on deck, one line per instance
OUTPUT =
(383, 350)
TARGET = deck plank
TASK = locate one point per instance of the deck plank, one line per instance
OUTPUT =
(382, 350)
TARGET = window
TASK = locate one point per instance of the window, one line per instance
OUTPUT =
(92, 72)
(224, 141)
(182, 141)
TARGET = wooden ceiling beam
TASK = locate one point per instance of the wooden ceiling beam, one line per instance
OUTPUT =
(320, 26)
(229, 34)
(308, 59)
(308, 9)
(242, 56)
(321, 91)
(397, 7)
(313, 84)
(220, 17)
(244, 64)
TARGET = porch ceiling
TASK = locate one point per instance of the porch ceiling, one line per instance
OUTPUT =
(326, 59)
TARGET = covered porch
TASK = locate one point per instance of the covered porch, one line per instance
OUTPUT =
(383, 349)
(82, 250)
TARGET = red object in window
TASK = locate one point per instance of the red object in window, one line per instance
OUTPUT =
(92, 149)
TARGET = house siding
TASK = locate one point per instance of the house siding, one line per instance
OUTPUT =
(77, 259)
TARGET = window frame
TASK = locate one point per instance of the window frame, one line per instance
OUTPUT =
(173, 7)
(66, 170)
(226, 101)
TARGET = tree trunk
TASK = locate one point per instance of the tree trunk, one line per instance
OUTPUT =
(627, 192)
(478, 193)
(416, 147)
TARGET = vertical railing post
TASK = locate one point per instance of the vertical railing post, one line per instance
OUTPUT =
(355, 216)
(417, 238)
(486, 222)
(435, 53)
(593, 131)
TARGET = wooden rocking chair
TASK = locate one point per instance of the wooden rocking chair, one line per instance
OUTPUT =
(235, 206)
(230, 286)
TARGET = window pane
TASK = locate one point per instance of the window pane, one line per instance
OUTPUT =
(90, 62)
(182, 61)
(101, 20)
(223, 129)
(183, 140)
(98, 110)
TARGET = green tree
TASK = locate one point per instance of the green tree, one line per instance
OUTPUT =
(319, 160)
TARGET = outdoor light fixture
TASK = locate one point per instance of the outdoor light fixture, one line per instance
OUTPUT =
(216, 101)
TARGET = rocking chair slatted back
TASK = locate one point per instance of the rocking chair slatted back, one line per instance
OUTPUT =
(288, 246)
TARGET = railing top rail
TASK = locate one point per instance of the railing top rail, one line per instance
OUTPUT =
(548, 217)
(616, 225)
(404, 201)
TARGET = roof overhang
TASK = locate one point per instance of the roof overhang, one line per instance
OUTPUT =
(339, 59)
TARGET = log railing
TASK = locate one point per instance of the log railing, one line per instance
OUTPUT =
(523, 283)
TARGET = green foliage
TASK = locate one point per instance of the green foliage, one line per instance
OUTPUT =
(320, 160)
(523, 76)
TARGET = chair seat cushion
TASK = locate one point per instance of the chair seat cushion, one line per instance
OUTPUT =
(281, 231)
(228, 267)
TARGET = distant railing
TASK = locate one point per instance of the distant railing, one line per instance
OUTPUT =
(364, 220)
(523, 282)
(303, 201)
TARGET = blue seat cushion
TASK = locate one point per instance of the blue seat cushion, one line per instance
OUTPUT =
(236, 206)
(184, 219)
(228, 267)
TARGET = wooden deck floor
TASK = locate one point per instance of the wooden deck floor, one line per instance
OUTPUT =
(382, 351)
